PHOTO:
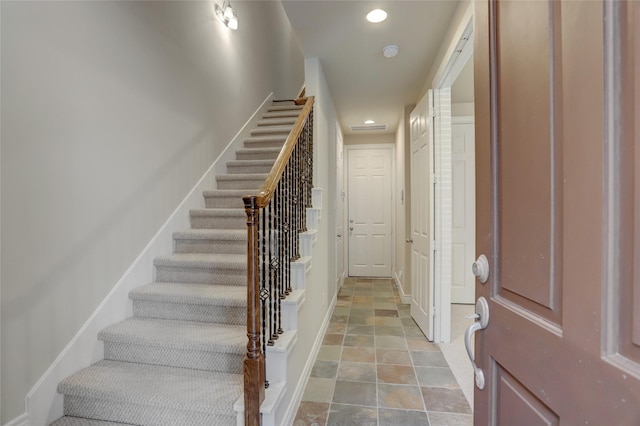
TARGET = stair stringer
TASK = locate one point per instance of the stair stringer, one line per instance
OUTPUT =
(43, 403)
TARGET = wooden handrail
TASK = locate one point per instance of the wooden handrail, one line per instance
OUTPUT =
(268, 188)
(269, 251)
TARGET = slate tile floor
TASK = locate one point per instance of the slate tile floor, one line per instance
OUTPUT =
(375, 367)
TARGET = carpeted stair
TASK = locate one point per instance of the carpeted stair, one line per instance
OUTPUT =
(178, 360)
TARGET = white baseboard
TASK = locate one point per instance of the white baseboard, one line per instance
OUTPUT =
(43, 403)
(294, 404)
(340, 281)
(406, 298)
(21, 420)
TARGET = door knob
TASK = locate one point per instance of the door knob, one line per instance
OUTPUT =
(482, 317)
(410, 240)
(480, 268)
(350, 220)
(339, 235)
(351, 228)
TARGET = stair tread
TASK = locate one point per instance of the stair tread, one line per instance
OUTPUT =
(188, 335)
(203, 260)
(273, 129)
(250, 162)
(276, 121)
(281, 114)
(230, 211)
(157, 386)
(292, 107)
(226, 193)
(80, 421)
(211, 234)
(192, 294)
(241, 176)
(267, 138)
(258, 150)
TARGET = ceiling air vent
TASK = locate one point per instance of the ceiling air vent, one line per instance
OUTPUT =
(368, 127)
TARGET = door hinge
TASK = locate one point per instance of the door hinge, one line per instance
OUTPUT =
(435, 245)
(434, 177)
(434, 313)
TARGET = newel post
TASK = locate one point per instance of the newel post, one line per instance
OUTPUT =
(254, 366)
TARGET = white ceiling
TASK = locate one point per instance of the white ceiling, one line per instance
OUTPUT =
(363, 83)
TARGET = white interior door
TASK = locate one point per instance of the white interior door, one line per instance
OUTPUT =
(463, 223)
(421, 214)
(339, 209)
(369, 212)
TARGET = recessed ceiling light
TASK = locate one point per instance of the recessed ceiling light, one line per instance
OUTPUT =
(390, 51)
(376, 15)
(369, 122)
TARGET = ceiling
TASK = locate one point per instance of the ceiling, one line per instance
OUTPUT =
(363, 83)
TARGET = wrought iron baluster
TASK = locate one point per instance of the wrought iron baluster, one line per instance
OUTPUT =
(271, 247)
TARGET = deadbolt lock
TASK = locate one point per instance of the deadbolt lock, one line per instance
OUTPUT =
(480, 268)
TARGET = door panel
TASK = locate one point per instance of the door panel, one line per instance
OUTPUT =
(518, 406)
(528, 152)
(421, 217)
(557, 211)
(623, 284)
(463, 229)
(369, 184)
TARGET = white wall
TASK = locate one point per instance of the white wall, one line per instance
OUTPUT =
(369, 138)
(111, 112)
(449, 42)
(324, 176)
(462, 109)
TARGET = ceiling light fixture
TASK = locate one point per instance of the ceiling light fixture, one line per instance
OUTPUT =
(227, 15)
(390, 51)
(369, 122)
(376, 16)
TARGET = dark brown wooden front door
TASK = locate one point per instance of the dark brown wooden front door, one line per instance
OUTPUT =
(558, 211)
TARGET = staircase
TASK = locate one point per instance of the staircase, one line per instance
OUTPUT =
(178, 360)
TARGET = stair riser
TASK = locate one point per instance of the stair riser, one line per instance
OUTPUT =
(277, 121)
(143, 415)
(185, 312)
(209, 246)
(183, 358)
(223, 202)
(173, 274)
(254, 184)
(218, 222)
(233, 170)
(263, 144)
(281, 114)
(256, 155)
(281, 108)
(270, 131)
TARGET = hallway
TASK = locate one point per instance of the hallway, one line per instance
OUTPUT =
(375, 367)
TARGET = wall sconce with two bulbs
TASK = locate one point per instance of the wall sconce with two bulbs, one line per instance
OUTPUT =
(227, 14)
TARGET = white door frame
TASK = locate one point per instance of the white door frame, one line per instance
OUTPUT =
(459, 52)
(345, 168)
